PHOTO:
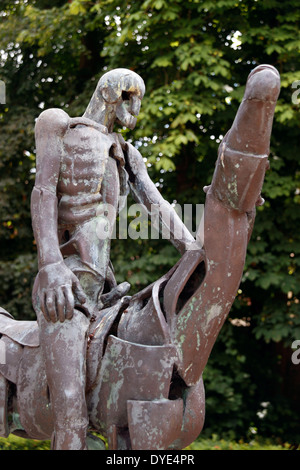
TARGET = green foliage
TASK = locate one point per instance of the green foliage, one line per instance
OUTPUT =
(18, 443)
(194, 56)
(214, 443)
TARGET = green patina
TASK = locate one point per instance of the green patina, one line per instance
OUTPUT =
(113, 398)
(233, 192)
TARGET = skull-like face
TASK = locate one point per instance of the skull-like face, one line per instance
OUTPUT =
(127, 108)
(124, 89)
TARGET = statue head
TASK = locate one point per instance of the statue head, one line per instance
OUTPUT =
(117, 98)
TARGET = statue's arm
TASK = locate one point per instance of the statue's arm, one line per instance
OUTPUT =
(146, 193)
(55, 283)
(49, 131)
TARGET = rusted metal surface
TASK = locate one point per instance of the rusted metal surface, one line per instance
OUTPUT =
(153, 424)
(4, 429)
(124, 375)
(128, 367)
(25, 333)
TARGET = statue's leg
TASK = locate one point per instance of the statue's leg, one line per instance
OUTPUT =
(64, 349)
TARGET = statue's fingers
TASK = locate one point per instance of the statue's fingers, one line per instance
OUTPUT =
(43, 307)
(60, 305)
(79, 291)
(251, 129)
(69, 302)
(51, 306)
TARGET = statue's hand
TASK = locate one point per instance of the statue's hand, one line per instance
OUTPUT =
(57, 285)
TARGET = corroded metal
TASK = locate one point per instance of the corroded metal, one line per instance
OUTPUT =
(97, 359)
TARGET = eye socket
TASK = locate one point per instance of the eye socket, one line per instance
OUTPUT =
(125, 95)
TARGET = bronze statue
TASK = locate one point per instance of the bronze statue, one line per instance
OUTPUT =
(97, 359)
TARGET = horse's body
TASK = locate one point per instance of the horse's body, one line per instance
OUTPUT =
(145, 354)
(134, 394)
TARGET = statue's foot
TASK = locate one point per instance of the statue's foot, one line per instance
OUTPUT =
(106, 300)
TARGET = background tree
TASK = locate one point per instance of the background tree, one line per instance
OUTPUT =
(194, 56)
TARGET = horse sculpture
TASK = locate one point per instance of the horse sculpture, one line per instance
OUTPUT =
(146, 353)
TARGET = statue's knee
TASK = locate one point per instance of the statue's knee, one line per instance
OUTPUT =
(77, 327)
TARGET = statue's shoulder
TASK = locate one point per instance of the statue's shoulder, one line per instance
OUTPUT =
(134, 159)
(84, 121)
(52, 119)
